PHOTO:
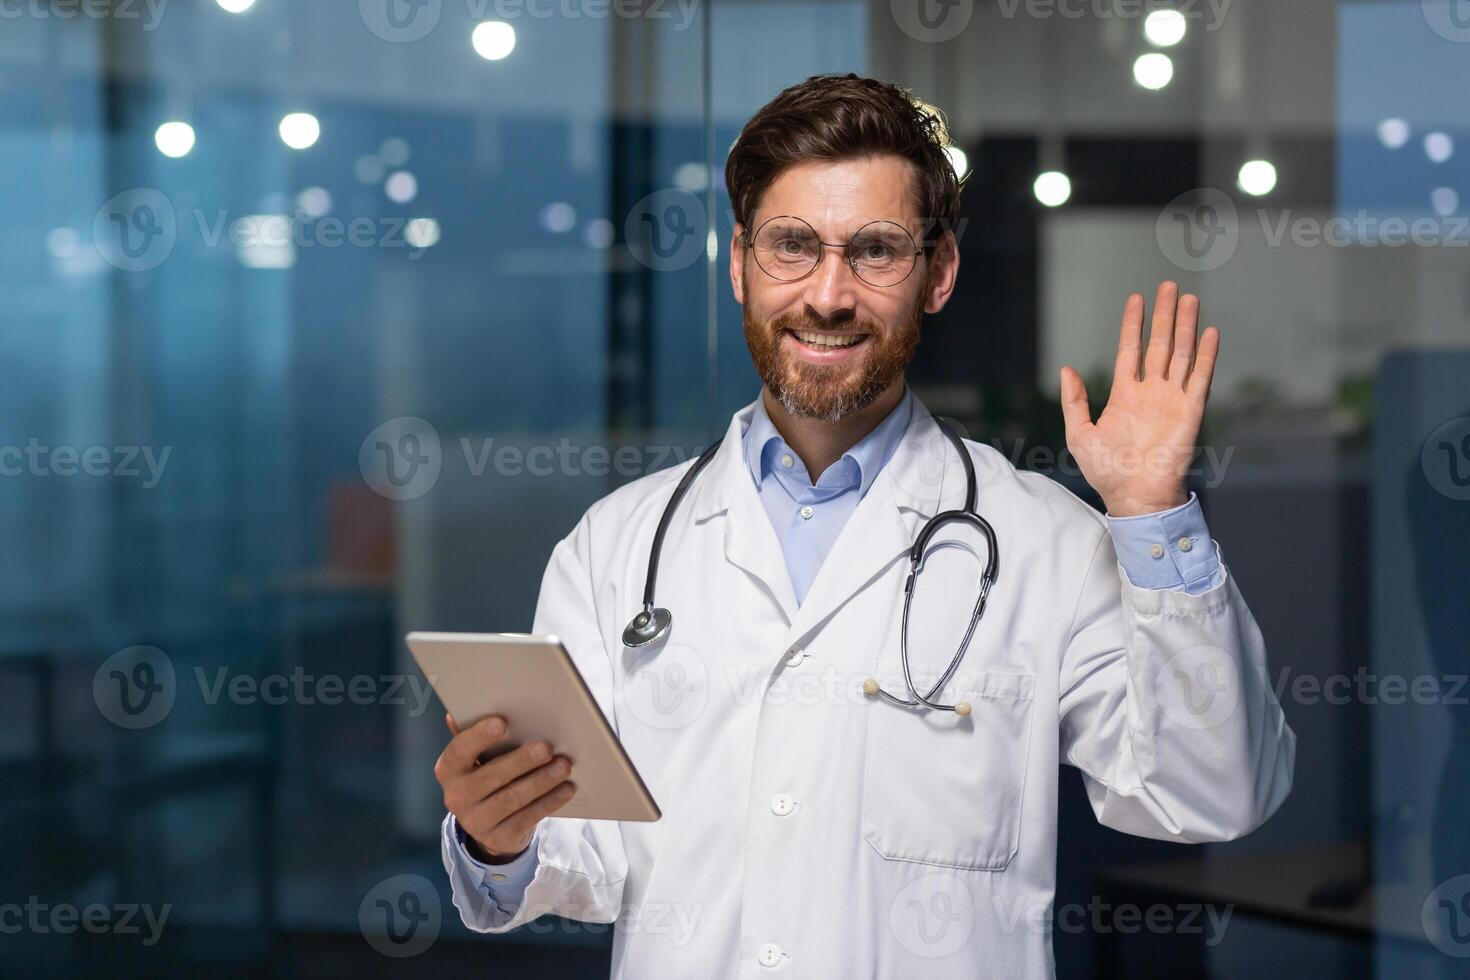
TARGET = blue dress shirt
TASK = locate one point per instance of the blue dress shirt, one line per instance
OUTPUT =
(1168, 550)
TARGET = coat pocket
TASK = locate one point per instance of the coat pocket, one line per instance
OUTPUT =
(945, 790)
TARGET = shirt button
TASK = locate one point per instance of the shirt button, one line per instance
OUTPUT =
(1185, 544)
(794, 656)
(1157, 550)
(782, 804)
(786, 460)
(770, 954)
(806, 513)
(497, 876)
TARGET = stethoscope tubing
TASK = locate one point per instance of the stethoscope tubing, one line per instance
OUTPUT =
(654, 622)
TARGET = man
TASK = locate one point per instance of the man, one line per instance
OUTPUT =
(811, 827)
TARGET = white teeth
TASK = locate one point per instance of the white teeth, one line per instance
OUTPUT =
(824, 340)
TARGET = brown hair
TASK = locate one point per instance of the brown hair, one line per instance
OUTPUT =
(840, 117)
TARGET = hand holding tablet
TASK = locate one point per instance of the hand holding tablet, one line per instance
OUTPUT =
(529, 739)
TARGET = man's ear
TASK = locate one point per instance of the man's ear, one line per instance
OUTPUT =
(944, 270)
(737, 262)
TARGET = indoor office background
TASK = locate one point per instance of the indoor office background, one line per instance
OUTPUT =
(349, 350)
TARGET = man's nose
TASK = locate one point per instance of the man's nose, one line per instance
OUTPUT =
(832, 287)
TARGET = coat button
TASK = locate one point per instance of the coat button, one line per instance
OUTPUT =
(794, 656)
(782, 804)
(770, 954)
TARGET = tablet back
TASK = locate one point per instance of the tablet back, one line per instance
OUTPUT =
(532, 682)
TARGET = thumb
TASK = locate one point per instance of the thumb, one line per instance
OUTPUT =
(1075, 411)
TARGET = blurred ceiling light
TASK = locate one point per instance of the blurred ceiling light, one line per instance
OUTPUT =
(369, 169)
(493, 39)
(422, 233)
(1439, 147)
(314, 201)
(1053, 188)
(1445, 200)
(1153, 71)
(300, 130)
(264, 241)
(598, 233)
(1257, 177)
(692, 176)
(62, 242)
(235, 6)
(558, 217)
(1393, 133)
(1165, 28)
(174, 139)
(401, 187)
(958, 160)
(394, 151)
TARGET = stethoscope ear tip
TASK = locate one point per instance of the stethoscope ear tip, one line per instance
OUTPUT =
(962, 709)
(870, 686)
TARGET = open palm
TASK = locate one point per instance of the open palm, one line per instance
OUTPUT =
(1137, 454)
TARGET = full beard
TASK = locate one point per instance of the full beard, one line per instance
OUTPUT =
(831, 392)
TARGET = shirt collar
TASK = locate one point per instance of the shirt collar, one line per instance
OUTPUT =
(763, 444)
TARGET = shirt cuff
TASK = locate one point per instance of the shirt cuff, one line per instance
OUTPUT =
(1168, 550)
(505, 883)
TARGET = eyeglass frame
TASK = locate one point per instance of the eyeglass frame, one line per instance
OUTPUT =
(847, 257)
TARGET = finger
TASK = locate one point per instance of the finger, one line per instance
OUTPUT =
(1204, 364)
(449, 723)
(1076, 414)
(1129, 339)
(505, 769)
(464, 750)
(520, 793)
(1185, 325)
(520, 824)
(1161, 331)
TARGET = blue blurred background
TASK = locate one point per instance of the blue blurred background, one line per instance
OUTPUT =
(324, 320)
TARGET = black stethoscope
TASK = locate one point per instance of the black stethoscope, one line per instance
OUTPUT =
(653, 621)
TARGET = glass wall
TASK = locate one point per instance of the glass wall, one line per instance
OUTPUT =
(325, 321)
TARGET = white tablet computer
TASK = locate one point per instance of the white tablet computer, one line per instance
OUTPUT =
(532, 683)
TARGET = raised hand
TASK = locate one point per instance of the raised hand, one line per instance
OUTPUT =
(1137, 454)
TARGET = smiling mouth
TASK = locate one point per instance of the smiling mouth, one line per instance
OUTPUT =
(827, 341)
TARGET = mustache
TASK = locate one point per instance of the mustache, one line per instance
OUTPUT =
(804, 321)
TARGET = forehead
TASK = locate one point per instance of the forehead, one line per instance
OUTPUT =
(837, 196)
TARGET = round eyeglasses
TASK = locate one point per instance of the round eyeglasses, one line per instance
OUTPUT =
(881, 253)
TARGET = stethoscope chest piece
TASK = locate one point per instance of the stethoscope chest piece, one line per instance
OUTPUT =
(648, 626)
